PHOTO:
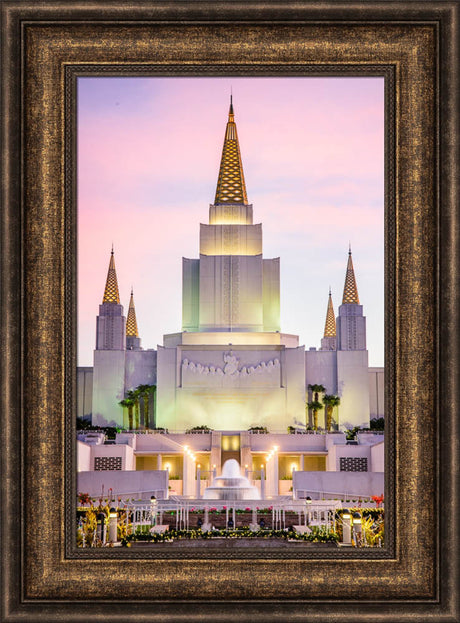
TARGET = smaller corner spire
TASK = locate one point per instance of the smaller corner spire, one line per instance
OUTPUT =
(330, 326)
(131, 321)
(350, 290)
(111, 294)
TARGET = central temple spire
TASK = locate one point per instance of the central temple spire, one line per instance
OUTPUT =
(231, 187)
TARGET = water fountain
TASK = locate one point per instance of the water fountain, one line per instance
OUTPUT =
(231, 485)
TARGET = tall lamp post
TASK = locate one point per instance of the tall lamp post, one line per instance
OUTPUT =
(307, 510)
(153, 510)
(113, 517)
(100, 531)
(262, 482)
(198, 482)
(357, 529)
(346, 527)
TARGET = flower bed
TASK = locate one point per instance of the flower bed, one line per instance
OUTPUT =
(318, 535)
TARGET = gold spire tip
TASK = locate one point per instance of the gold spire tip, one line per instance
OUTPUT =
(231, 187)
(350, 290)
(111, 294)
(131, 321)
(330, 326)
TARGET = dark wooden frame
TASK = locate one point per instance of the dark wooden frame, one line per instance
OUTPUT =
(417, 577)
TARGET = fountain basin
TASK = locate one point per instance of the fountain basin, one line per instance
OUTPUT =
(231, 485)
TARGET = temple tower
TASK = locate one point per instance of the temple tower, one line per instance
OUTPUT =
(133, 341)
(329, 340)
(109, 356)
(352, 356)
(230, 367)
(110, 323)
(351, 324)
(231, 287)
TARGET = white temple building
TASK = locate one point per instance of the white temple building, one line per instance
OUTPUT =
(230, 368)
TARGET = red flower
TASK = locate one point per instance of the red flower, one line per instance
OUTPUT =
(84, 498)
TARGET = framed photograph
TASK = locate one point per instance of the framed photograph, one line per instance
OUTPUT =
(235, 396)
(50, 49)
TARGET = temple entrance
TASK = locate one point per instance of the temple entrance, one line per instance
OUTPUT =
(230, 448)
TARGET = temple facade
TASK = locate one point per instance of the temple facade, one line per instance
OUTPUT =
(230, 368)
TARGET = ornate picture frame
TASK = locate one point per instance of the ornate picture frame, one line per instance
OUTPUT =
(44, 45)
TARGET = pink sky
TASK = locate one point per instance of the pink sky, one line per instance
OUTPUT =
(148, 158)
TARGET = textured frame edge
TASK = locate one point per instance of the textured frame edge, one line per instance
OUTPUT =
(448, 329)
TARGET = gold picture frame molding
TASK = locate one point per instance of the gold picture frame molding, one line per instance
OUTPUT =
(418, 577)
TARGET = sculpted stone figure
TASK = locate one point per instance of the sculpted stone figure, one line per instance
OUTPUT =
(231, 364)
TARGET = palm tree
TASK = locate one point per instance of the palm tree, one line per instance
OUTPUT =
(315, 406)
(144, 392)
(129, 403)
(316, 390)
(330, 401)
(133, 395)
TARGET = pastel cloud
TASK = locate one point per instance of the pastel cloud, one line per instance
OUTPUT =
(149, 152)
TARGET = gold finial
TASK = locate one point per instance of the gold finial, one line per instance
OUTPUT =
(231, 187)
(329, 327)
(131, 322)
(350, 291)
(111, 294)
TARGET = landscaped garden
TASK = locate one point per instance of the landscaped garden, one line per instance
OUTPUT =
(93, 526)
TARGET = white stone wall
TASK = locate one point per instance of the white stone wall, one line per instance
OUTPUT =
(140, 368)
(230, 239)
(321, 369)
(190, 294)
(230, 214)
(231, 293)
(271, 294)
(351, 327)
(353, 388)
(137, 485)
(352, 451)
(340, 483)
(108, 387)
(293, 379)
(233, 368)
(110, 327)
(83, 457)
(166, 388)
(378, 457)
(84, 392)
(125, 452)
(253, 386)
(377, 392)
